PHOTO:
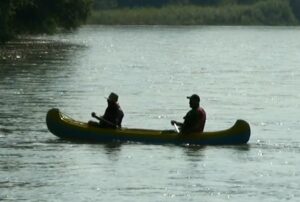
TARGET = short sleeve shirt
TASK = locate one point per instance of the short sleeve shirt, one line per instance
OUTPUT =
(194, 120)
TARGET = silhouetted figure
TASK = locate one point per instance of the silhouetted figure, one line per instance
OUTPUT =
(113, 115)
(194, 120)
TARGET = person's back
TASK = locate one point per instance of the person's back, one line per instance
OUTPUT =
(194, 121)
(113, 115)
(202, 120)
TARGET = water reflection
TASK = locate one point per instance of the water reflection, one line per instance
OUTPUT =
(112, 147)
(194, 150)
(242, 147)
(5, 131)
(12, 184)
(32, 75)
(113, 150)
(10, 162)
(32, 52)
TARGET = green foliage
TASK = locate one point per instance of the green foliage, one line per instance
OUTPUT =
(273, 12)
(263, 12)
(104, 4)
(40, 16)
(4, 34)
(108, 4)
(295, 4)
(7, 10)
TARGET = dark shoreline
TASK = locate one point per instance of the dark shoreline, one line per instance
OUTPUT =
(263, 13)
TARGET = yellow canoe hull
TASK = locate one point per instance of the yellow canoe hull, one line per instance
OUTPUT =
(66, 128)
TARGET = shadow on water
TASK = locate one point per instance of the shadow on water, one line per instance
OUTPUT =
(19, 184)
(192, 149)
(5, 131)
(189, 150)
(109, 147)
(242, 147)
(112, 147)
(282, 146)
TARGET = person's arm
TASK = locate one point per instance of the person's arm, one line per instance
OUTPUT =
(177, 123)
(100, 118)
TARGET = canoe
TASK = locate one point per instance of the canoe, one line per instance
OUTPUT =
(67, 128)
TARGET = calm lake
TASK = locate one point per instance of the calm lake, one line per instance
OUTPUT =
(250, 73)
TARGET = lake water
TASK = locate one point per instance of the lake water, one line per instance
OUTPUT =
(250, 73)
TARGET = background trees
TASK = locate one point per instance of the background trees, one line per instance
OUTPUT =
(196, 12)
(295, 4)
(48, 16)
(40, 16)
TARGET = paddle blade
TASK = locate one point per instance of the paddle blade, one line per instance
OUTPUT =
(176, 128)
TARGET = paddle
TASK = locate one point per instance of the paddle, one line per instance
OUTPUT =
(100, 118)
(176, 124)
(176, 128)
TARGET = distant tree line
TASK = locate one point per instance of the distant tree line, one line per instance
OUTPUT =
(40, 16)
(295, 4)
(47, 16)
(111, 4)
(104, 4)
(227, 12)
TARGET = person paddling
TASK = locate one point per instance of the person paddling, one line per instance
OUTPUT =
(113, 115)
(194, 120)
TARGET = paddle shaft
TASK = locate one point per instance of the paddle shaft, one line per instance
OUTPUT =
(176, 128)
(106, 121)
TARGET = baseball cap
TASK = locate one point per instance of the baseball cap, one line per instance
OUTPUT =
(194, 97)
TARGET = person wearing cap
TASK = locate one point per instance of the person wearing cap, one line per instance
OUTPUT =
(113, 115)
(194, 120)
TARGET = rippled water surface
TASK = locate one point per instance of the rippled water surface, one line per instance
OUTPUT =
(250, 73)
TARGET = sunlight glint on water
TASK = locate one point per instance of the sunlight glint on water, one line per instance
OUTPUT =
(249, 73)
